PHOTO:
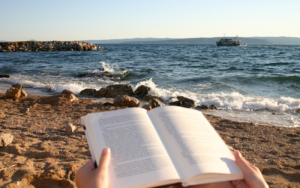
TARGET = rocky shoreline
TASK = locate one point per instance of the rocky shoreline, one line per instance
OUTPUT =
(48, 145)
(37, 46)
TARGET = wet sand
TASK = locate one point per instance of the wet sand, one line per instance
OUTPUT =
(44, 155)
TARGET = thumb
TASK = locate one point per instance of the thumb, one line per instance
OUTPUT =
(244, 165)
(104, 162)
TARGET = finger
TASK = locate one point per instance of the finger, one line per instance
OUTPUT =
(104, 161)
(244, 165)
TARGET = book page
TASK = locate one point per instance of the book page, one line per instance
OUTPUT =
(138, 155)
(193, 144)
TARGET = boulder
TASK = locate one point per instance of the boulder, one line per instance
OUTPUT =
(205, 107)
(147, 107)
(59, 98)
(89, 92)
(154, 102)
(148, 97)
(6, 139)
(114, 90)
(213, 107)
(66, 91)
(119, 89)
(50, 89)
(70, 128)
(13, 93)
(101, 93)
(175, 103)
(186, 102)
(108, 104)
(4, 76)
(142, 90)
(125, 100)
(23, 94)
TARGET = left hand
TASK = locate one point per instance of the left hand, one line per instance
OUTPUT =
(89, 177)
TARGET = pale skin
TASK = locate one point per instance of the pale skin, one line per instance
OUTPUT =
(89, 177)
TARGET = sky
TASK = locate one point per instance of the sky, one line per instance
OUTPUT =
(120, 19)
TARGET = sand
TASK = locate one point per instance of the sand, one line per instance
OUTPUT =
(43, 154)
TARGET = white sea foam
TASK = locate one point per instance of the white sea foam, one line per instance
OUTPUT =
(113, 68)
(75, 88)
(231, 105)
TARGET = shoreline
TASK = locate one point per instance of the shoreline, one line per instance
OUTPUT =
(42, 151)
(257, 116)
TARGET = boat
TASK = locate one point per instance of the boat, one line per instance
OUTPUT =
(228, 42)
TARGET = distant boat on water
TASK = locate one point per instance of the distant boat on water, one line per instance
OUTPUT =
(229, 42)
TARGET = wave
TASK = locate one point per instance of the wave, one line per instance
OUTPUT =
(227, 101)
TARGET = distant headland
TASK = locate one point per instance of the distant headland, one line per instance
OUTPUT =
(38, 46)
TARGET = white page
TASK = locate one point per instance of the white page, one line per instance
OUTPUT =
(192, 142)
(138, 156)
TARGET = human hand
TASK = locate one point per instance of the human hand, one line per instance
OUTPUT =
(89, 177)
(252, 175)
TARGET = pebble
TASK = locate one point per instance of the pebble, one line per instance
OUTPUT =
(70, 128)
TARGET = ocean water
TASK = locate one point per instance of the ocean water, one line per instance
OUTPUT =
(259, 84)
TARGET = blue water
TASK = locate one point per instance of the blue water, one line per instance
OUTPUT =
(238, 80)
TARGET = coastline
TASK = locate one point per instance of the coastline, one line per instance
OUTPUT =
(42, 151)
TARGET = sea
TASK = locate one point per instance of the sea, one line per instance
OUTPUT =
(254, 83)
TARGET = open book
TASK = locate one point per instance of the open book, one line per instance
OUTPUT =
(164, 146)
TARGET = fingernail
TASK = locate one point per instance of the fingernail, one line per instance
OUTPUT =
(239, 153)
(105, 151)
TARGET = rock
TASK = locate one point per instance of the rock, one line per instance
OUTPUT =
(24, 110)
(119, 89)
(147, 107)
(125, 100)
(142, 90)
(186, 102)
(89, 92)
(2, 115)
(6, 139)
(70, 128)
(108, 104)
(205, 107)
(23, 94)
(213, 107)
(175, 103)
(59, 98)
(4, 76)
(154, 102)
(114, 90)
(253, 124)
(298, 110)
(183, 99)
(66, 91)
(101, 93)
(148, 97)
(18, 86)
(50, 89)
(13, 93)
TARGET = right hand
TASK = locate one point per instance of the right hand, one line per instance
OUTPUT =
(253, 178)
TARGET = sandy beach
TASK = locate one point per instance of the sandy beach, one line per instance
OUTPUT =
(43, 154)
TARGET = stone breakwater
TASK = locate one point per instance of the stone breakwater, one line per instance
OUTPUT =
(47, 46)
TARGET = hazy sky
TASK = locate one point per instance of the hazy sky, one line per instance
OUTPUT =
(118, 19)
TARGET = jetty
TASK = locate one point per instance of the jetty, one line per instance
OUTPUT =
(38, 46)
